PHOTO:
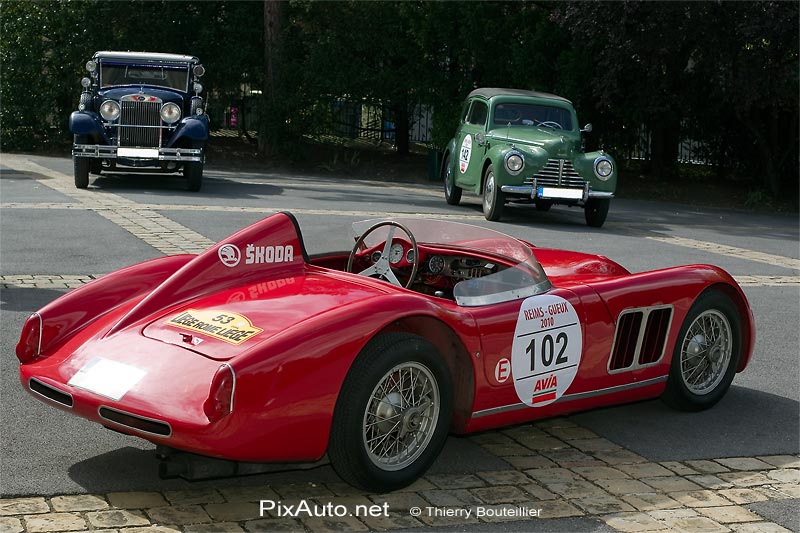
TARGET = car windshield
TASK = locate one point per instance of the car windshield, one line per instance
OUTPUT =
(518, 114)
(524, 278)
(172, 76)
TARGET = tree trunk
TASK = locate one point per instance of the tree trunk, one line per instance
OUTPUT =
(401, 129)
(270, 123)
(664, 148)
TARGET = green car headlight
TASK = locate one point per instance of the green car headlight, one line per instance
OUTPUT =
(603, 168)
(514, 162)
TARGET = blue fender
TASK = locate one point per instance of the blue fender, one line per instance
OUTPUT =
(194, 128)
(88, 123)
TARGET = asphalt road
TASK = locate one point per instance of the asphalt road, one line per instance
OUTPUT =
(46, 229)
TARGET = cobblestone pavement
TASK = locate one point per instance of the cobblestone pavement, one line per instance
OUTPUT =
(558, 470)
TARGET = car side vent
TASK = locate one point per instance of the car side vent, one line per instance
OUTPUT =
(139, 423)
(641, 338)
(51, 393)
(627, 338)
(655, 335)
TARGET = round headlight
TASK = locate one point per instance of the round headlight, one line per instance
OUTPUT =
(170, 113)
(91, 66)
(109, 110)
(199, 70)
(198, 88)
(603, 168)
(86, 82)
(514, 162)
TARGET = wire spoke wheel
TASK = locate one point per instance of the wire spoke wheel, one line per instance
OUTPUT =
(401, 416)
(706, 352)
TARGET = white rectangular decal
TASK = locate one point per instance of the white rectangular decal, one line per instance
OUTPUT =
(149, 153)
(106, 378)
(552, 192)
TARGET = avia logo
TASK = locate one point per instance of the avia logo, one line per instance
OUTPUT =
(545, 389)
(229, 254)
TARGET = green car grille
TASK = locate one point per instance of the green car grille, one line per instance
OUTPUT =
(557, 173)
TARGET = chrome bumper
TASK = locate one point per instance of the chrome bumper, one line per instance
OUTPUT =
(531, 191)
(102, 151)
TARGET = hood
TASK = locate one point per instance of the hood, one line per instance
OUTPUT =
(166, 95)
(557, 143)
(234, 321)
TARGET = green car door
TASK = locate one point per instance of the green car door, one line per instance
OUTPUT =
(469, 153)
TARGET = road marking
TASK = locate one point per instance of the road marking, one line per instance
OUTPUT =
(160, 232)
(67, 281)
(767, 281)
(265, 210)
(740, 253)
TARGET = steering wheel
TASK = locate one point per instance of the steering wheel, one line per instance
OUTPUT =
(382, 267)
(551, 124)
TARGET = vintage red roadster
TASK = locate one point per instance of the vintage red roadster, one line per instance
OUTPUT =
(254, 351)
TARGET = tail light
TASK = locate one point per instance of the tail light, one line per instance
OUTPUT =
(30, 341)
(220, 398)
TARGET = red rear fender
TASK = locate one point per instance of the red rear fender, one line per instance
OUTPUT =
(70, 313)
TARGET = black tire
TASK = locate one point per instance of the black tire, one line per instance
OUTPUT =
(381, 358)
(493, 198)
(717, 308)
(452, 192)
(193, 172)
(596, 211)
(544, 205)
(81, 165)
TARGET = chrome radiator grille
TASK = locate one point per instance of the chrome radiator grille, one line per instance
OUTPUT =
(557, 173)
(140, 122)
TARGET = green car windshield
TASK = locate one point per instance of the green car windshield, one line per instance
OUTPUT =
(519, 114)
(163, 75)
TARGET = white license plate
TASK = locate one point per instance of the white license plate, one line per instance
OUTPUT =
(106, 378)
(147, 153)
(554, 192)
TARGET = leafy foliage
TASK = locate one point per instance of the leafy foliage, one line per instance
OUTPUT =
(724, 74)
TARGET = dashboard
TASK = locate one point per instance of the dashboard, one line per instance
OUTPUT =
(434, 262)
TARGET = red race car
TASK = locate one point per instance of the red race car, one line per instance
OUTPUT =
(255, 352)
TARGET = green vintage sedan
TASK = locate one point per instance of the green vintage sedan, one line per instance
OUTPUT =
(525, 146)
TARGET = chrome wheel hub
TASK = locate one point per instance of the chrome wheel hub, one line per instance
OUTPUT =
(706, 352)
(401, 415)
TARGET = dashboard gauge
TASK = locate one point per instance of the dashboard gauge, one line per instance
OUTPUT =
(375, 256)
(395, 253)
(410, 256)
(436, 264)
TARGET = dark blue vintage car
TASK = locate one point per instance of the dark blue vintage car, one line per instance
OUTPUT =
(140, 112)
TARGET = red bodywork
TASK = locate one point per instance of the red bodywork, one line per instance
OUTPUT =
(298, 324)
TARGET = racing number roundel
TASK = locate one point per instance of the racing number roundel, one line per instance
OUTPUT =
(466, 151)
(547, 349)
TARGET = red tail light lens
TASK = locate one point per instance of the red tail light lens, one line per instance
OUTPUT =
(220, 397)
(30, 341)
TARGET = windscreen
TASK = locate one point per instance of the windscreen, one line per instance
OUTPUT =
(524, 278)
(532, 115)
(164, 75)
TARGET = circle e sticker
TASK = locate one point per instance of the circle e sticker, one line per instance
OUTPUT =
(502, 370)
(546, 350)
(466, 151)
